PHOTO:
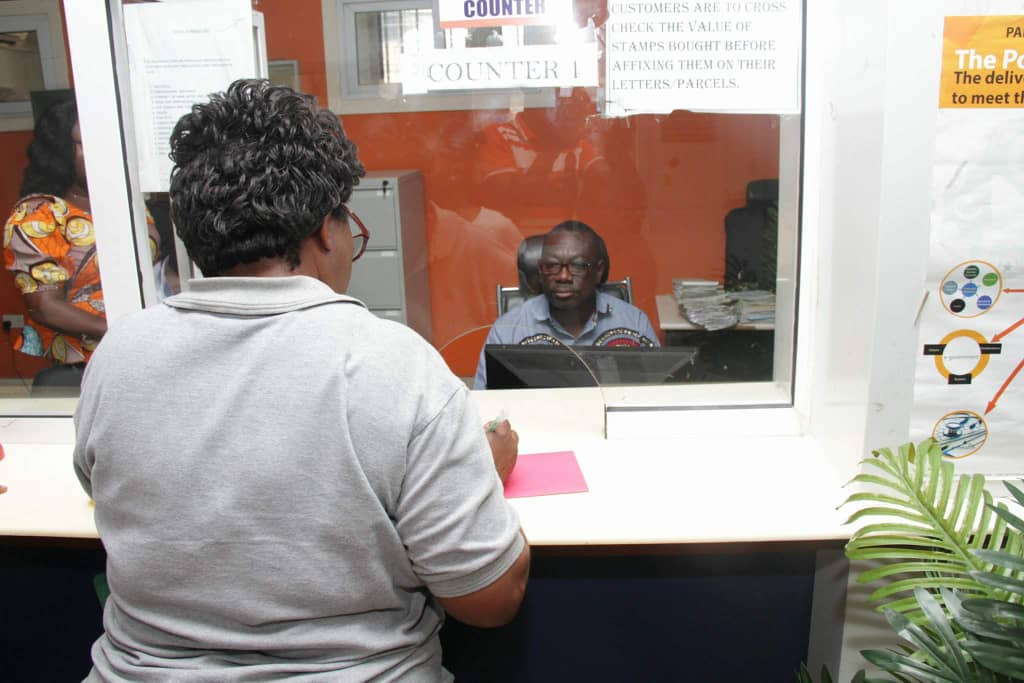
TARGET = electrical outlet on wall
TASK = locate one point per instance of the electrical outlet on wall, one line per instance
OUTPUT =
(13, 320)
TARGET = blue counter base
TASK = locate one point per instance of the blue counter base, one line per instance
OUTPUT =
(680, 614)
(701, 617)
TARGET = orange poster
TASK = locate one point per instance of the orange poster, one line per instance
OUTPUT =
(982, 63)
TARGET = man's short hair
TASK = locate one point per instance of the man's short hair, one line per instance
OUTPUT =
(581, 228)
(256, 170)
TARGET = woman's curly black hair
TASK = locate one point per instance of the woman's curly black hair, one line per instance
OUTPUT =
(51, 154)
(256, 170)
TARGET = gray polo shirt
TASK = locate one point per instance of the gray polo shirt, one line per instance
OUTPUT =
(282, 480)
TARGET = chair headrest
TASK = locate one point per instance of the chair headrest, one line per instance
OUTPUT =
(763, 190)
(527, 260)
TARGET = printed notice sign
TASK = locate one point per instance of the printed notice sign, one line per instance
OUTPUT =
(982, 62)
(735, 56)
(531, 66)
(470, 13)
(178, 54)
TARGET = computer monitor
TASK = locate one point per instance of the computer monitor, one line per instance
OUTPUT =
(513, 366)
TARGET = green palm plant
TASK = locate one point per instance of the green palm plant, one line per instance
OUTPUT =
(958, 556)
(926, 524)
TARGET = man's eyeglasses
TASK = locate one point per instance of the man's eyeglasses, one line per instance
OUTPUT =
(360, 239)
(575, 268)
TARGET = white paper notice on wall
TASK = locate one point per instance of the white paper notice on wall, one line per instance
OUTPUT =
(178, 54)
(530, 66)
(738, 56)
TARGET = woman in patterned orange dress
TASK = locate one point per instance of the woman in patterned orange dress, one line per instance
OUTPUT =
(50, 246)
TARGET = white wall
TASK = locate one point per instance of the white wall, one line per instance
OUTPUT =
(872, 91)
(846, 69)
(905, 41)
(842, 186)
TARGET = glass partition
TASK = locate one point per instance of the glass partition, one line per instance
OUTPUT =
(517, 196)
(53, 309)
(694, 213)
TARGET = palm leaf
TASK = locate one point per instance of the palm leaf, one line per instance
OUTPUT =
(909, 533)
(1008, 661)
(935, 564)
(1004, 572)
(1007, 584)
(861, 677)
(977, 624)
(935, 583)
(804, 675)
(1012, 519)
(995, 609)
(979, 618)
(901, 664)
(987, 653)
(1001, 559)
(1017, 494)
(941, 535)
(922, 519)
(948, 653)
(934, 640)
(992, 637)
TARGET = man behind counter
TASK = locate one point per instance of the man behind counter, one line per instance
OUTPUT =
(573, 311)
(287, 486)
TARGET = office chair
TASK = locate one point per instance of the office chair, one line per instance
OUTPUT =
(58, 380)
(621, 288)
(527, 257)
(751, 235)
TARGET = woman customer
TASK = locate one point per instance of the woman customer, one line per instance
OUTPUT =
(50, 247)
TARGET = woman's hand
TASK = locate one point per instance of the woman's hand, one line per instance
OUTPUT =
(504, 444)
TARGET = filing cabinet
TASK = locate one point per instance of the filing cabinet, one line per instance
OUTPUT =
(391, 277)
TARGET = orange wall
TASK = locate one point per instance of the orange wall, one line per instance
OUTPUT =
(295, 30)
(12, 152)
(672, 180)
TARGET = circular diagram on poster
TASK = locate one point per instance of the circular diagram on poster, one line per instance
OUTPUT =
(971, 288)
(960, 433)
(962, 354)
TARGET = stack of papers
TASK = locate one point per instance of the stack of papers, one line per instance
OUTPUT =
(755, 306)
(704, 303)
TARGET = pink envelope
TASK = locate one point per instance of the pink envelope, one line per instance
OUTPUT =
(544, 474)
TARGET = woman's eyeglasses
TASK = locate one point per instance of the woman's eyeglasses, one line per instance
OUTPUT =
(360, 239)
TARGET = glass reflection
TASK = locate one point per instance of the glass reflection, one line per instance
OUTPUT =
(50, 251)
(166, 276)
(50, 255)
(685, 196)
(21, 65)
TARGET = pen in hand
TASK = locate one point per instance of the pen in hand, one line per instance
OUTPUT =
(499, 418)
(504, 445)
